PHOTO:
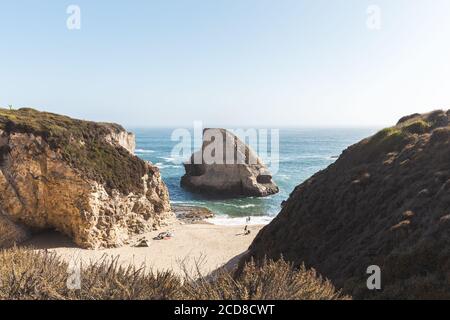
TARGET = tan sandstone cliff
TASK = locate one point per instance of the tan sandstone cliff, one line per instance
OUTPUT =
(77, 177)
(227, 167)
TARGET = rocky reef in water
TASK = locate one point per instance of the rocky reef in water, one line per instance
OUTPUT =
(384, 202)
(78, 177)
(232, 170)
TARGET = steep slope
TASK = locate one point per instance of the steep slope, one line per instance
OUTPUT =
(78, 177)
(385, 202)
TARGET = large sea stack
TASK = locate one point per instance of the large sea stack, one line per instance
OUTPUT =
(232, 170)
(78, 177)
(384, 202)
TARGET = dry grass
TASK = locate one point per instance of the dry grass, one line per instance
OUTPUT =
(27, 274)
(270, 280)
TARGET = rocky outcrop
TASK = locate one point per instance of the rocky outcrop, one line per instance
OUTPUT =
(192, 214)
(11, 233)
(77, 177)
(121, 137)
(384, 202)
(227, 167)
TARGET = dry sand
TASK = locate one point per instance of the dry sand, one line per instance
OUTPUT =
(209, 246)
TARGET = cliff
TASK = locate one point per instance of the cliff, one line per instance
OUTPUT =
(385, 202)
(77, 177)
(227, 167)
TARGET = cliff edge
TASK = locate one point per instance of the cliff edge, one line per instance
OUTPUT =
(78, 177)
(384, 202)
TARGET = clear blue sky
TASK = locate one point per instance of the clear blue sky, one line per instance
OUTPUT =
(227, 62)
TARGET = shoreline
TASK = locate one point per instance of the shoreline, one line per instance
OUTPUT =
(200, 214)
(202, 247)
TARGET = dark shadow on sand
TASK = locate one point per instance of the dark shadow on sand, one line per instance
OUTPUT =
(49, 240)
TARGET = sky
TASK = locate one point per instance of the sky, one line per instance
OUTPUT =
(234, 63)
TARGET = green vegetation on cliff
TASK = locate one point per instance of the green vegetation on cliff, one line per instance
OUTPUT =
(384, 202)
(82, 144)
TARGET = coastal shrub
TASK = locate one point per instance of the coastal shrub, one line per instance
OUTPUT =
(395, 138)
(82, 144)
(408, 118)
(387, 135)
(440, 135)
(385, 141)
(417, 127)
(270, 280)
(27, 274)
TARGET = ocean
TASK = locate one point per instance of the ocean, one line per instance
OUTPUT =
(302, 152)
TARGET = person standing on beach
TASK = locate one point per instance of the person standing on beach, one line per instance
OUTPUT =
(246, 230)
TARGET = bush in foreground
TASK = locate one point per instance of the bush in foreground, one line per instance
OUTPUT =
(27, 274)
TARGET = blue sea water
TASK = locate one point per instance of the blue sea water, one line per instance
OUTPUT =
(302, 152)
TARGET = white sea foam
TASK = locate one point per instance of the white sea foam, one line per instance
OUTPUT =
(234, 205)
(163, 166)
(224, 220)
(144, 151)
(247, 206)
(169, 159)
(308, 157)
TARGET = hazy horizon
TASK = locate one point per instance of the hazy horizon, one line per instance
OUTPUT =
(250, 63)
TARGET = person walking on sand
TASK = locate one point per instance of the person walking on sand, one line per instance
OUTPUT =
(246, 230)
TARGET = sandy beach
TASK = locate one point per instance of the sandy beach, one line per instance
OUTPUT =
(206, 245)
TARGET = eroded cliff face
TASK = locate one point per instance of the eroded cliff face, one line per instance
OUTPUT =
(122, 138)
(384, 202)
(232, 170)
(84, 184)
(11, 233)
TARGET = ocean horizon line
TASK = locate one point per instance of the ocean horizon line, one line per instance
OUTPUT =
(137, 127)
